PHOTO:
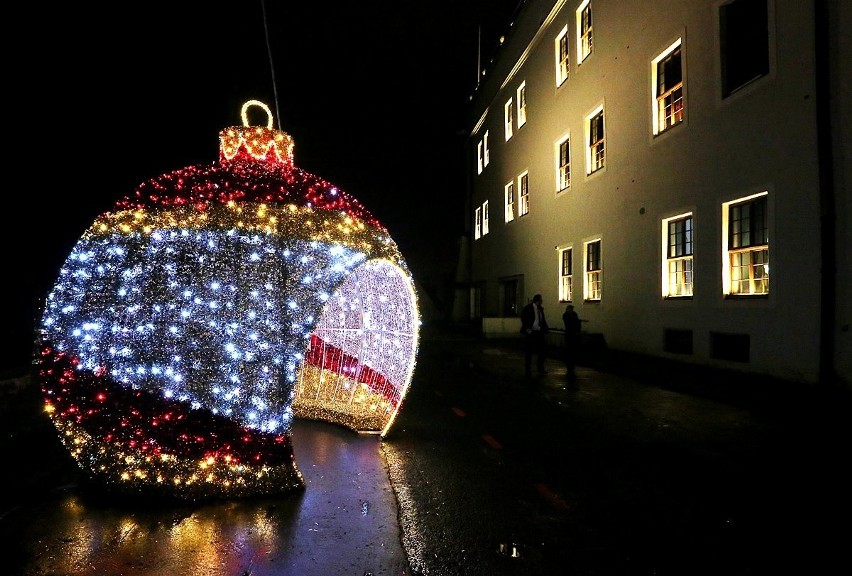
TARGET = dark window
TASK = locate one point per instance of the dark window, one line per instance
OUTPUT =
(678, 341)
(744, 43)
(509, 295)
(733, 347)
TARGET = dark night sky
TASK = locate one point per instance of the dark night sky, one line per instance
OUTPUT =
(375, 95)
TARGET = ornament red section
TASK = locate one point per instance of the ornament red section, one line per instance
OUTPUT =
(150, 424)
(242, 180)
(323, 355)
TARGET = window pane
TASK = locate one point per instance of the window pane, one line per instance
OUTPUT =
(586, 31)
(563, 56)
(566, 262)
(596, 141)
(510, 202)
(669, 72)
(680, 237)
(750, 272)
(680, 277)
(747, 224)
(564, 165)
(669, 90)
(566, 265)
(593, 256)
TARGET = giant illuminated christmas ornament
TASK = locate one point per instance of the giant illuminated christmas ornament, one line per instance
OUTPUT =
(194, 321)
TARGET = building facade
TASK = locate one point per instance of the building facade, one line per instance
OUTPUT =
(678, 171)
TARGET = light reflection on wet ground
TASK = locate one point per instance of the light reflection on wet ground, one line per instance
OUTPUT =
(497, 475)
(346, 505)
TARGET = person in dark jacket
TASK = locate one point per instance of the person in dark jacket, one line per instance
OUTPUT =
(572, 341)
(533, 328)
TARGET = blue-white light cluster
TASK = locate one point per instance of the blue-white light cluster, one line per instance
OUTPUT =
(216, 318)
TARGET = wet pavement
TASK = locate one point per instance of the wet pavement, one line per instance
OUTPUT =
(484, 473)
(343, 522)
(705, 473)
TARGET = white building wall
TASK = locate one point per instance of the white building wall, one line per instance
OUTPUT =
(761, 139)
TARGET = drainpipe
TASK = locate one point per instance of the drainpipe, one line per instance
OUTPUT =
(827, 197)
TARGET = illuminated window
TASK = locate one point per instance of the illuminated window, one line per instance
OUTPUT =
(667, 78)
(562, 56)
(477, 223)
(677, 256)
(485, 148)
(522, 104)
(595, 148)
(508, 118)
(523, 194)
(509, 194)
(482, 153)
(743, 43)
(485, 218)
(746, 234)
(592, 288)
(563, 164)
(565, 277)
(584, 30)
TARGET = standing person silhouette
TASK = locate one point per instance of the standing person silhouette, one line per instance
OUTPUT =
(533, 328)
(572, 341)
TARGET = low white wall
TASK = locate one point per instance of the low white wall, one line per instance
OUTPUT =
(508, 327)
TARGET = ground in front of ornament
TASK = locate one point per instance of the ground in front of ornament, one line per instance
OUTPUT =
(343, 522)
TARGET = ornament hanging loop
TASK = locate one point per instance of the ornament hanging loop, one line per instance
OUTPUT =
(258, 103)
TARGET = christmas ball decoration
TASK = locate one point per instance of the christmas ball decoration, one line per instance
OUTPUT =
(191, 323)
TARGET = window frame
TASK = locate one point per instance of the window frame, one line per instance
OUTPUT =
(593, 271)
(563, 170)
(521, 98)
(523, 193)
(485, 227)
(660, 118)
(509, 118)
(479, 158)
(683, 262)
(757, 252)
(595, 150)
(562, 56)
(477, 223)
(566, 276)
(486, 154)
(509, 201)
(585, 31)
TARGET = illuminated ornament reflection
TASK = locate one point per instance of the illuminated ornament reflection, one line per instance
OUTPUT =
(194, 321)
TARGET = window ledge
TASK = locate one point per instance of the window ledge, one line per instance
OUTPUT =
(746, 296)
